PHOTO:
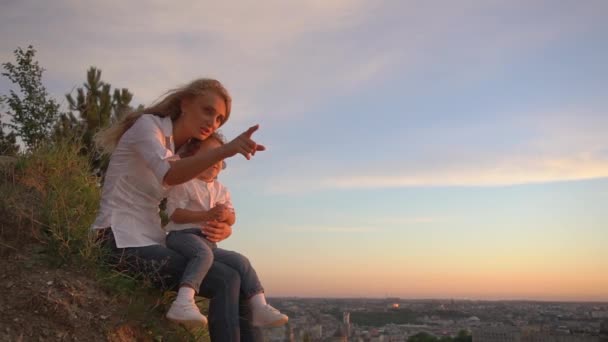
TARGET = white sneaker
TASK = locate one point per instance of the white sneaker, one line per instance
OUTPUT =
(267, 316)
(187, 314)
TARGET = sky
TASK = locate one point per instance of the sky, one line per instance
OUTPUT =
(416, 149)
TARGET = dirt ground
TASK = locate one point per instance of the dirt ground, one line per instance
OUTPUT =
(41, 303)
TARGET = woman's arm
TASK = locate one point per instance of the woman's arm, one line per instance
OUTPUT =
(217, 231)
(186, 169)
(190, 216)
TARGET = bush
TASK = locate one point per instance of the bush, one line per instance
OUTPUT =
(62, 200)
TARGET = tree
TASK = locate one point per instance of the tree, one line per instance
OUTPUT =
(422, 337)
(463, 336)
(97, 108)
(34, 113)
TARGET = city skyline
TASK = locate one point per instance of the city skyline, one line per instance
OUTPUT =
(415, 149)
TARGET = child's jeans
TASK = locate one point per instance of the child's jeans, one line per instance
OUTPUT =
(201, 253)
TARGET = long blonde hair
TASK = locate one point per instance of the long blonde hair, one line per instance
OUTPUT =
(168, 105)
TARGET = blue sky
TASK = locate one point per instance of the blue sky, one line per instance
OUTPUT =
(416, 148)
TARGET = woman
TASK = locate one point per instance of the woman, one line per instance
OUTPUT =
(143, 165)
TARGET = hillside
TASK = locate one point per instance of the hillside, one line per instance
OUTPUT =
(54, 282)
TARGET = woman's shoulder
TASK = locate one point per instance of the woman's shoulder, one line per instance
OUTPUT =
(147, 118)
(150, 122)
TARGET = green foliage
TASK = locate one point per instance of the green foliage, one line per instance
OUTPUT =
(96, 106)
(19, 208)
(463, 336)
(8, 144)
(422, 337)
(33, 113)
(69, 197)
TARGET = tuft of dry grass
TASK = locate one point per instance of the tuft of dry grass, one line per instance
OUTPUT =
(51, 197)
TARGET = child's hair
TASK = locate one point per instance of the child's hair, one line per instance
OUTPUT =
(168, 105)
(194, 145)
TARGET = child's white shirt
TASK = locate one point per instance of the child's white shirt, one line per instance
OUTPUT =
(195, 195)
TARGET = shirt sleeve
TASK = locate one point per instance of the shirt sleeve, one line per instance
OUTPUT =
(177, 197)
(148, 140)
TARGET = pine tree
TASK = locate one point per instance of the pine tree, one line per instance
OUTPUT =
(97, 107)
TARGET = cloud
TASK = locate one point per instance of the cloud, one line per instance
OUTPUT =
(556, 146)
(332, 229)
(513, 171)
(255, 48)
(510, 172)
(370, 226)
(280, 59)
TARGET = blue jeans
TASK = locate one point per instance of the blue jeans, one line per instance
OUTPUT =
(201, 253)
(228, 310)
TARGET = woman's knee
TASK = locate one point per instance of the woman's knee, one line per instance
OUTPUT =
(221, 280)
(232, 280)
(238, 261)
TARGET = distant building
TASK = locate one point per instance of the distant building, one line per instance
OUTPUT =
(599, 314)
(339, 335)
(346, 323)
(604, 331)
(497, 334)
(544, 337)
(289, 335)
(316, 332)
(473, 320)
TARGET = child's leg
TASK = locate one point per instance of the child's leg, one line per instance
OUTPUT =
(251, 288)
(200, 257)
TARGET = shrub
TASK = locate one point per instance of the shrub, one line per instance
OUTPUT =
(63, 198)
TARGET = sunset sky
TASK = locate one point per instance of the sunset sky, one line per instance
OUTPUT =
(416, 149)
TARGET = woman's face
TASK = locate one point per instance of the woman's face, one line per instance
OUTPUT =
(203, 114)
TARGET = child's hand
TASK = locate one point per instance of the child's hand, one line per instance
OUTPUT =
(220, 212)
(244, 145)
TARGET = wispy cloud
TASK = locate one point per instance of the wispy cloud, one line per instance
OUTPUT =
(332, 229)
(510, 172)
(279, 58)
(255, 48)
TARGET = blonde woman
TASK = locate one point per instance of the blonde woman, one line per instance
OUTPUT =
(143, 166)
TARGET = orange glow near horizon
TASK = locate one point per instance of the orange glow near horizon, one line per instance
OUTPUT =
(520, 276)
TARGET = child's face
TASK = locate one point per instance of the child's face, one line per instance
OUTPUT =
(211, 173)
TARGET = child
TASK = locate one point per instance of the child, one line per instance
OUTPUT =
(190, 206)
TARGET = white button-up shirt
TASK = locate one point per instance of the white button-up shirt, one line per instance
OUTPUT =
(195, 195)
(133, 186)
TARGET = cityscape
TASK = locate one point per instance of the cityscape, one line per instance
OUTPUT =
(394, 319)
